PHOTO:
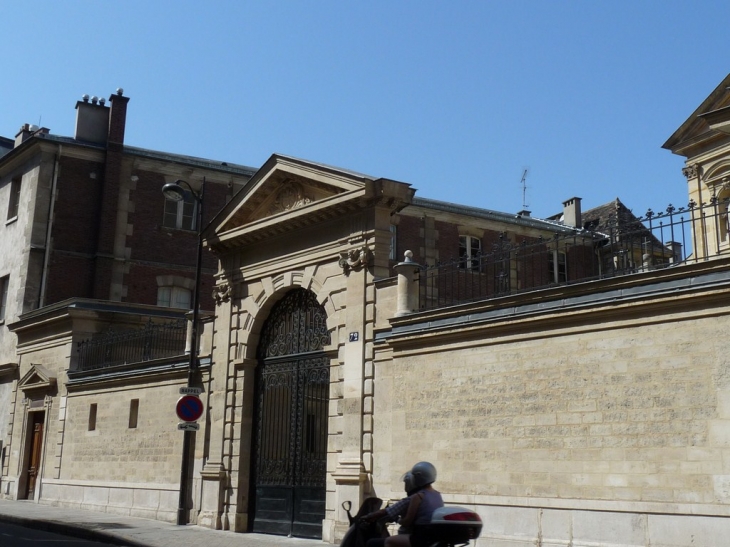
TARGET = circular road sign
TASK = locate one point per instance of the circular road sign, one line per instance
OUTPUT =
(189, 408)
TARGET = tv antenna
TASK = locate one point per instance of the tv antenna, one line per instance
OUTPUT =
(523, 182)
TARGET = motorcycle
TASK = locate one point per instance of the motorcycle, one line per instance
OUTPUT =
(450, 526)
(453, 526)
(360, 530)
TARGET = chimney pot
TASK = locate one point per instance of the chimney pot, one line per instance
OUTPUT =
(92, 121)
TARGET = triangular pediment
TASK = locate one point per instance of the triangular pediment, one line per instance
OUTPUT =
(699, 126)
(38, 378)
(284, 194)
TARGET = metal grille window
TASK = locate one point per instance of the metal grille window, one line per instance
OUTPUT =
(470, 248)
(180, 214)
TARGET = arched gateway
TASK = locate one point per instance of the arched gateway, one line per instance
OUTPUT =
(292, 397)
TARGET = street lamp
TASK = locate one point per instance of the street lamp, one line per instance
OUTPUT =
(176, 192)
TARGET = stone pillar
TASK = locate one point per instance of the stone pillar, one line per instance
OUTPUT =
(237, 511)
(407, 296)
(214, 474)
(350, 473)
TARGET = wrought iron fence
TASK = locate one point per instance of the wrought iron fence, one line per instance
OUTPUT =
(118, 347)
(621, 244)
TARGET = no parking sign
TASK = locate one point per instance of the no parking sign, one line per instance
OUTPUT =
(189, 408)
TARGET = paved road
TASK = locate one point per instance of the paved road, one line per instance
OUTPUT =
(129, 531)
(12, 535)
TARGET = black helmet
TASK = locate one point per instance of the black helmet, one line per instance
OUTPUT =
(424, 473)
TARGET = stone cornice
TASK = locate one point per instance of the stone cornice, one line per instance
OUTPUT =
(8, 368)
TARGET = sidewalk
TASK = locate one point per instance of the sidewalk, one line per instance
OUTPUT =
(133, 532)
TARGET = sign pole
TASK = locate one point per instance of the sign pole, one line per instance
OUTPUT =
(188, 434)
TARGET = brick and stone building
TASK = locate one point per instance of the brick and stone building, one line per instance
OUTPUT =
(88, 241)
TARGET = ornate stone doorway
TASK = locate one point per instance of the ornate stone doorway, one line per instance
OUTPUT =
(292, 400)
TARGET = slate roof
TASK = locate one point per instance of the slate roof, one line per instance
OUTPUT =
(512, 218)
(140, 152)
(6, 145)
(614, 217)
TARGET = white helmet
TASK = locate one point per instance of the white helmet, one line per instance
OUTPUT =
(423, 473)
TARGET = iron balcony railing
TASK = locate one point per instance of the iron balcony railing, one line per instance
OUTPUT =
(620, 245)
(153, 341)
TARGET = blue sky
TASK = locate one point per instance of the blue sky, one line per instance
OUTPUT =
(456, 98)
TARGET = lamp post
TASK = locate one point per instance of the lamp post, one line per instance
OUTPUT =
(176, 192)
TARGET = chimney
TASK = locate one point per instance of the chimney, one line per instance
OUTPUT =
(27, 131)
(92, 120)
(23, 134)
(117, 118)
(572, 213)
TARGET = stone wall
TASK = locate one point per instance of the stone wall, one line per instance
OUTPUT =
(114, 452)
(601, 424)
(116, 468)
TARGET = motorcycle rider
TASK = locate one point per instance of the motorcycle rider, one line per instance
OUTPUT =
(416, 509)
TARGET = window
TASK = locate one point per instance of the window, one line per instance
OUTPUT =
(4, 282)
(175, 291)
(174, 297)
(558, 266)
(92, 416)
(133, 413)
(180, 214)
(470, 248)
(14, 200)
(723, 208)
(393, 243)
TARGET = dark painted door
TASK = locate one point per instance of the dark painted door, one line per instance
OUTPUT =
(290, 454)
(36, 451)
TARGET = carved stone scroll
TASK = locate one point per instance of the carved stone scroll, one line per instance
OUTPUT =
(355, 259)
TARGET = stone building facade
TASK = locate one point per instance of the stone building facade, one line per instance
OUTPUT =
(568, 397)
(579, 414)
(95, 254)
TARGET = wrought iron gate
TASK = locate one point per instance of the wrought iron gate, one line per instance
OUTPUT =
(291, 424)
